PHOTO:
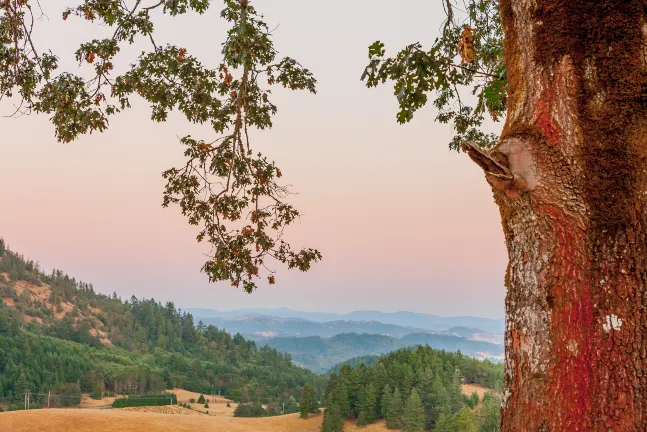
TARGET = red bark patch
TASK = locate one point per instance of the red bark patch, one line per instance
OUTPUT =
(549, 128)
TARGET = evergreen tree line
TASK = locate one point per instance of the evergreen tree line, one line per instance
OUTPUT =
(414, 389)
(146, 347)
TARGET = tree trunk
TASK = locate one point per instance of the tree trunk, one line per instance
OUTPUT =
(569, 176)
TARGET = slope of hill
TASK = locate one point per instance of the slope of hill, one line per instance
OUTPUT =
(403, 318)
(426, 381)
(58, 335)
(321, 354)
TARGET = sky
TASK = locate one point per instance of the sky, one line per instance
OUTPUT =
(403, 222)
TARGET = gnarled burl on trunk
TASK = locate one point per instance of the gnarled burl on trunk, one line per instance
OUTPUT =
(570, 178)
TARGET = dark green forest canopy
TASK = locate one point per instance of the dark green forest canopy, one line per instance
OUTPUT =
(426, 379)
(154, 346)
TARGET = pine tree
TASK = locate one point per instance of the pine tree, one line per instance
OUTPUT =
(291, 405)
(489, 413)
(394, 414)
(340, 398)
(386, 401)
(333, 420)
(308, 402)
(466, 420)
(368, 399)
(414, 414)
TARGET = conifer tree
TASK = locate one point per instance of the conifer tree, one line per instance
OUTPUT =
(308, 402)
(367, 404)
(333, 420)
(466, 420)
(340, 398)
(201, 399)
(489, 413)
(413, 419)
(386, 401)
(394, 414)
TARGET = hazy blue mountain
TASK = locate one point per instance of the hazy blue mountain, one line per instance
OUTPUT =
(321, 354)
(259, 327)
(405, 319)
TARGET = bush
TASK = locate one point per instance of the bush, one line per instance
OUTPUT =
(192, 400)
(145, 400)
(201, 399)
(206, 405)
(228, 405)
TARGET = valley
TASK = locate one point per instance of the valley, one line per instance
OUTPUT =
(64, 345)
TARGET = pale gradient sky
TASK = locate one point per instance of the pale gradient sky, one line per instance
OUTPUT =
(403, 223)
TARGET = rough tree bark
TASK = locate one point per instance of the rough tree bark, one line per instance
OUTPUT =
(570, 176)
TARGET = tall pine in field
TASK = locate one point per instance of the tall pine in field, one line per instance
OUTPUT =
(333, 420)
(308, 402)
(394, 413)
(413, 419)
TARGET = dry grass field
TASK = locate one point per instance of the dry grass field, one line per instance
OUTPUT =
(136, 420)
(156, 419)
(468, 389)
(217, 404)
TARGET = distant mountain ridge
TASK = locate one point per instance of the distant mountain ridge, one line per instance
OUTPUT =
(259, 327)
(403, 318)
(320, 354)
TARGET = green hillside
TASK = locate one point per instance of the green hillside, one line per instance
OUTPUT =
(415, 389)
(57, 334)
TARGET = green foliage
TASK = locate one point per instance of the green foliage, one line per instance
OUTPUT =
(2, 247)
(333, 420)
(394, 411)
(291, 406)
(475, 35)
(250, 410)
(413, 418)
(225, 187)
(431, 378)
(368, 404)
(201, 399)
(154, 348)
(308, 403)
(145, 400)
(206, 404)
(489, 413)
(464, 420)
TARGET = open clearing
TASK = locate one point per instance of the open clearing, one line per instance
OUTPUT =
(468, 389)
(126, 420)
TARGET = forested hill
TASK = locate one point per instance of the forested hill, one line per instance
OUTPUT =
(415, 389)
(57, 334)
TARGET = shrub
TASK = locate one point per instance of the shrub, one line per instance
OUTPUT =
(192, 400)
(228, 405)
(145, 400)
(201, 399)
(206, 405)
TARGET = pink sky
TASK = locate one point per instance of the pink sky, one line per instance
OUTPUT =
(403, 223)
